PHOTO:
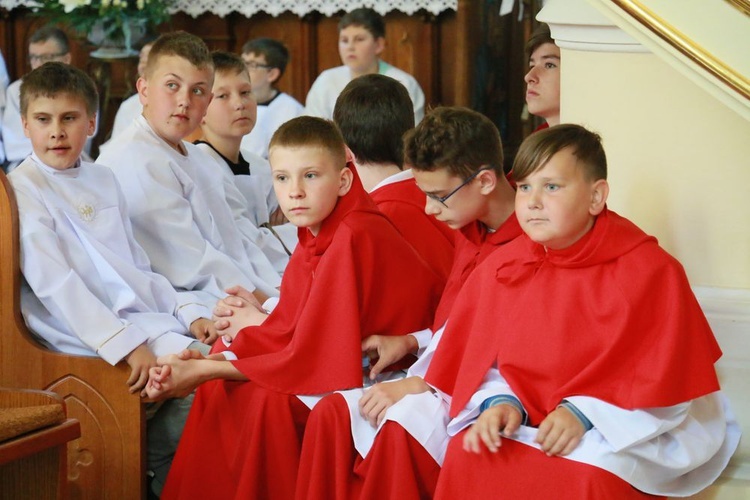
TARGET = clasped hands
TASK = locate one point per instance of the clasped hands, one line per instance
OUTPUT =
(177, 375)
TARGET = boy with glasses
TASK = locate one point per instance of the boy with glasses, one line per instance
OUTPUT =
(266, 60)
(388, 441)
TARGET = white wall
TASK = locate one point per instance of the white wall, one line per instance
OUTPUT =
(679, 161)
(679, 166)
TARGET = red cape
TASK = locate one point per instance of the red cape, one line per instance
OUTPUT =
(473, 244)
(403, 203)
(612, 317)
(358, 277)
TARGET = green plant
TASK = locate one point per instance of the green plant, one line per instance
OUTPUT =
(113, 15)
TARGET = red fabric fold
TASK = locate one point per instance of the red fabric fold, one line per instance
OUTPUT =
(612, 317)
(403, 203)
(473, 244)
(522, 472)
(358, 277)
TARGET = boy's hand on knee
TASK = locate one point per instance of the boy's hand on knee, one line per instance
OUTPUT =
(560, 432)
(203, 330)
(487, 428)
(378, 398)
(140, 360)
(387, 350)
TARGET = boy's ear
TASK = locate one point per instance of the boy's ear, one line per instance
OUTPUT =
(141, 85)
(25, 124)
(379, 45)
(347, 177)
(487, 181)
(599, 194)
(273, 75)
(92, 125)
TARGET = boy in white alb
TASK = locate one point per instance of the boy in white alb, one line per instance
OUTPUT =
(266, 60)
(361, 41)
(48, 43)
(228, 119)
(89, 289)
(186, 212)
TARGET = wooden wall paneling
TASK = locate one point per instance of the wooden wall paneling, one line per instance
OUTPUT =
(411, 47)
(326, 45)
(214, 30)
(462, 37)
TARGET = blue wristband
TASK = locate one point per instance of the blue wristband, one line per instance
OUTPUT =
(504, 399)
(587, 425)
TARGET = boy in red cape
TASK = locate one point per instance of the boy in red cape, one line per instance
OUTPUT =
(373, 113)
(388, 441)
(349, 278)
(601, 358)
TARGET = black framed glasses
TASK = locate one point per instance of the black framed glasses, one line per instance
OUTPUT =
(256, 65)
(443, 199)
(43, 58)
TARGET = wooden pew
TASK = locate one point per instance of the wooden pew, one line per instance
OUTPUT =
(108, 460)
(34, 433)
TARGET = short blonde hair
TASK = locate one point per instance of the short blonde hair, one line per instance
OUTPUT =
(310, 131)
(181, 44)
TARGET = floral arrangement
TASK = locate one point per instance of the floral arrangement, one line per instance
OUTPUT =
(112, 18)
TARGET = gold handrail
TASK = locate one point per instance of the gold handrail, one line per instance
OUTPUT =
(687, 47)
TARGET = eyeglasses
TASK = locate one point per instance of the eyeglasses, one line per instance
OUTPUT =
(256, 65)
(43, 58)
(443, 199)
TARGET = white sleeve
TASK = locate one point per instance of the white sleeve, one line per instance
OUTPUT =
(264, 250)
(425, 352)
(164, 225)
(62, 291)
(316, 103)
(417, 97)
(673, 451)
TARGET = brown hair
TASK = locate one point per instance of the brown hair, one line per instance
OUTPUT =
(539, 147)
(539, 37)
(228, 62)
(456, 139)
(373, 113)
(181, 44)
(54, 78)
(50, 32)
(310, 131)
(367, 18)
